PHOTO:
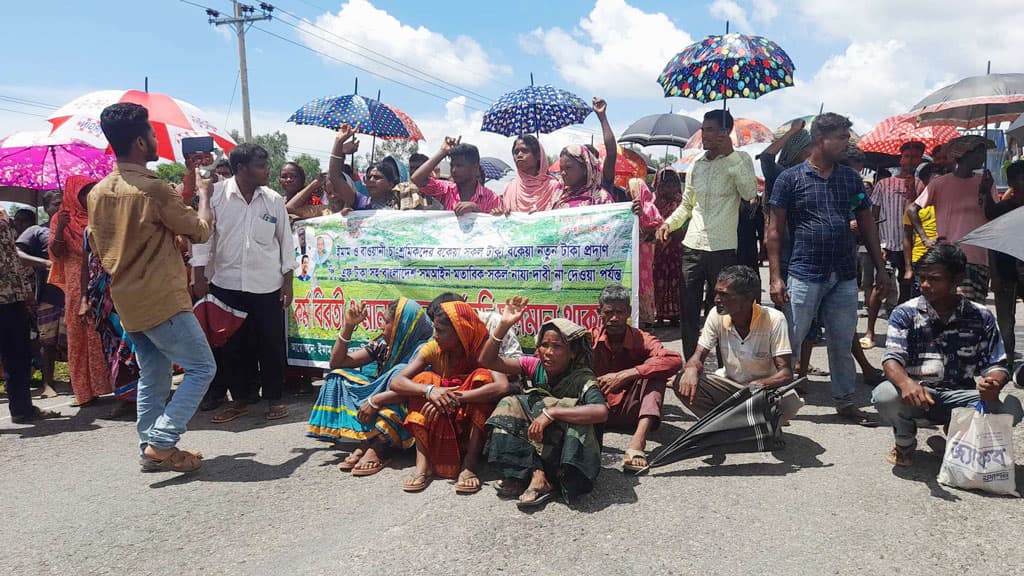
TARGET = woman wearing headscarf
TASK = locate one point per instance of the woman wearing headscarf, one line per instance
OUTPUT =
(450, 398)
(354, 407)
(545, 438)
(650, 220)
(533, 189)
(668, 256)
(582, 183)
(90, 376)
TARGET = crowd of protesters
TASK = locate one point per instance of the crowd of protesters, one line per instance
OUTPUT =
(111, 282)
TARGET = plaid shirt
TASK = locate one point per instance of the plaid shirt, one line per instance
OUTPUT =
(818, 217)
(945, 354)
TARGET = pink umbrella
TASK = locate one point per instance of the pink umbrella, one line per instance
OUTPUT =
(172, 120)
(891, 133)
(39, 161)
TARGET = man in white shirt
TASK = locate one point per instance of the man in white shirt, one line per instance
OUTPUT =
(754, 345)
(249, 261)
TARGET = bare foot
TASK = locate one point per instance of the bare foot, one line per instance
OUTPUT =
(47, 391)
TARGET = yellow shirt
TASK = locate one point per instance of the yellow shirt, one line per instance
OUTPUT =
(927, 216)
(711, 201)
(133, 219)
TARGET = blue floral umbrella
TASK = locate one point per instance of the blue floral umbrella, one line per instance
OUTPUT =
(729, 66)
(494, 168)
(367, 115)
(535, 109)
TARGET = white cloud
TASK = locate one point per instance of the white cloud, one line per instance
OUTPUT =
(460, 60)
(764, 10)
(732, 12)
(616, 50)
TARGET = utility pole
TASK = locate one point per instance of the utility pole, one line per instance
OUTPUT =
(244, 14)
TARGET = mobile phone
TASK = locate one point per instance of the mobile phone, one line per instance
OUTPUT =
(194, 144)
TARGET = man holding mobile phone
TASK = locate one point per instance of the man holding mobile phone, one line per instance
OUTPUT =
(134, 217)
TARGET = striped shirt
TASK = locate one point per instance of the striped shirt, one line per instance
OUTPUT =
(891, 196)
(818, 218)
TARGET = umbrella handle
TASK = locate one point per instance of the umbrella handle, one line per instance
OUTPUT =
(784, 389)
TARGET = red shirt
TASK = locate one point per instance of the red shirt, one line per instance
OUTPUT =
(639, 350)
(447, 192)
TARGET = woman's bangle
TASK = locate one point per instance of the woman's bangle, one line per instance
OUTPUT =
(336, 157)
(496, 339)
(343, 339)
(369, 400)
(426, 393)
(547, 414)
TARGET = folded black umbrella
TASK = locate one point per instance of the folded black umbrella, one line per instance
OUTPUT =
(747, 421)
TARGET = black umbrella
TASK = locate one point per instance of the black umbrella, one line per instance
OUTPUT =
(661, 130)
(494, 168)
(747, 421)
(974, 101)
(1000, 234)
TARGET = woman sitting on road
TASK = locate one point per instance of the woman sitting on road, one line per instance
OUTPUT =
(352, 406)
(544, 438)
(450, 399)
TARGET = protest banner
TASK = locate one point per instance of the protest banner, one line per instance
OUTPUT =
(559, 259)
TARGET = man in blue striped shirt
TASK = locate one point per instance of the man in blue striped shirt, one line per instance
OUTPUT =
(814, 199)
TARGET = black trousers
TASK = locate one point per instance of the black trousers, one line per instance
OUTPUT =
(16, 355)
(700, 272)
(260, 342)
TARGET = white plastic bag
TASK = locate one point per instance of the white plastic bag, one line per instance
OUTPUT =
(979, 452)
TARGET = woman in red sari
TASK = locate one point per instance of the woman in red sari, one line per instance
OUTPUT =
(90, 374)
(668, 256)
(450, 399)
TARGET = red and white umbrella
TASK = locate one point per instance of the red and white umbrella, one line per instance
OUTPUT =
(891, 133)
(172, 120)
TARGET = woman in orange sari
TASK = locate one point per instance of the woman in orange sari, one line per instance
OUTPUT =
(90, 374)
(450, 399)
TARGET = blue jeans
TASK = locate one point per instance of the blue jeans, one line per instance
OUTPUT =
(834, 302)
(886, 398)
(179, 340)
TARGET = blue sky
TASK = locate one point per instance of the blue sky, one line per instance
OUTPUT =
(869, 61)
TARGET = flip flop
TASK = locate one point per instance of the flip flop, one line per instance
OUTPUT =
(461, 488)
(350, 461)
(631, 455)
(509, 489)
(540, 498)
(867, 343)
(277, 412)
(376, 466)
(230, 415)
(417, 483)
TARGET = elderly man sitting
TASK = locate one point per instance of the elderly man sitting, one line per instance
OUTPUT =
(632, 368)
(942, 352)
(753, 342)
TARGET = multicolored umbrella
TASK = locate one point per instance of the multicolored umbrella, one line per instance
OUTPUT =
(628, 164)
(535, 109)
(39, 161)
(172, 120)
(973, 102)
(729, 66)
(661, 130)
(367, 115)
(891, 133)
(744, 133)
(494, 168)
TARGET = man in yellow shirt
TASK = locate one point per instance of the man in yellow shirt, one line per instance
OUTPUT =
(719, 180)
(913, 245)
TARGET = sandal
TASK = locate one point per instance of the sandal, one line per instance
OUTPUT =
(539, 498)
(277, 411)
(38, 414)
(463, 487)
(230, 414)
(867, 343)
(856, 416)
(632, 455)
(901, 455)
(511, 488)
(417, 483)
(375, 465)
(815, 371)
(177, 461)
(77, 404)
(350, 461)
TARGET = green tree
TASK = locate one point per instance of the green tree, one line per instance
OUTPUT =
(400, 149)
(276, 145)
(310, 165)
(172, 173)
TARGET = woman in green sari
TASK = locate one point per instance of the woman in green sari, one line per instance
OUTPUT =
(544, 439)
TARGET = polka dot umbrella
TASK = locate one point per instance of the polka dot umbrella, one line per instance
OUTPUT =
(727, 66)
(369, 116)
(535, 109)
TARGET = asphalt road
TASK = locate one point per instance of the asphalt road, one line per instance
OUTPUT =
(270, 501)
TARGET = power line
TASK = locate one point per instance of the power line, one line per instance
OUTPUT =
(26, 102)
(23, 112)
(424, 76)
